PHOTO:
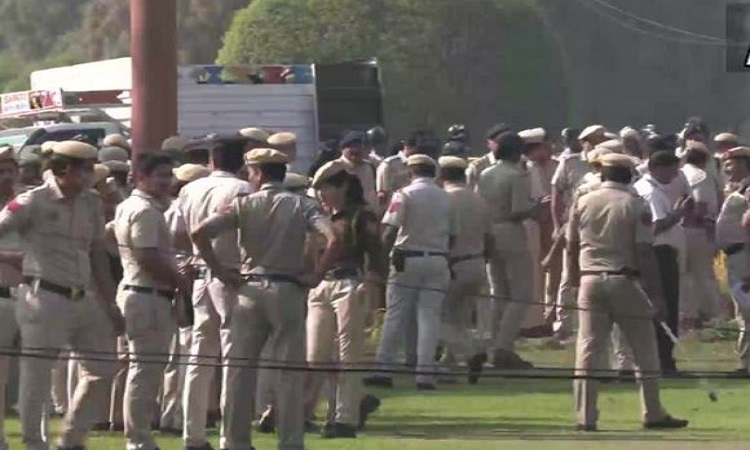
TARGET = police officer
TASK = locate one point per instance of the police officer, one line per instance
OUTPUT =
(420, 226)
(116, 140)
(608, 246)
(457, 144)
(392, 173)
(468, 257)
(731, 238)
(477, 166)
(11, 255)
(63, 226)
(272, 226)
(213, 301)
(505, 187)
(377, 141)
(145, 293)
(337, 307)
(255, 138)
(568, 175)
(354, 156)
(286, 143)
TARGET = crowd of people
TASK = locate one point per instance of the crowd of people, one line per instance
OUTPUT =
(193, 287)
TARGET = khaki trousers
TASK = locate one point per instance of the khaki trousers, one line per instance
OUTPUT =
(736, 266)
(335, 332)
(60, 389)
(566, 297)
(700, 290)
(149, 326)
(117, 393)
(468, 283)
(511, 281)
(537, 240)
(8, 330)
(174, 379)
(267, 312)
(606, 300)
(49, 323)
(211, 341)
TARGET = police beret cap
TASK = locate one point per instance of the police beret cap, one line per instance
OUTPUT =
(727, 138)
(296, 181)
(116, 140)
(613, 144)
(591, 130)
(283, 138)
(533, 135)
(497, 130)
(174, 143)
(452, 162)
(327, 171)
(256, 134)
(352, 138)
(112, 153)
(190, 172)
(737, 152)
(629, 133)
(48, 146)
(75, 149)
(417, 160)
(265, 156)
(595, 155)
(616, 160)
(101, 172)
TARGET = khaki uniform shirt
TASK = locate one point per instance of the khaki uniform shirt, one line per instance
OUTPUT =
(273, 225)
(541, 178)
(366, 174)
(207, 196)
(58, 233)
(729, 228)
(473, 221)
(424, 215)
(608, 223)
(10, 276)
(506, 189)
(392, 175)
(475, 169)
(569, 174)
(140, 225)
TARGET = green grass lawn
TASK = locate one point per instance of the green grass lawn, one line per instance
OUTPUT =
(534, 414)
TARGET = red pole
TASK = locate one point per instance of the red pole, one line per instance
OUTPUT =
(153, 46)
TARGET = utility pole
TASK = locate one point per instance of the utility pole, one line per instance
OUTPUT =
(153, 47)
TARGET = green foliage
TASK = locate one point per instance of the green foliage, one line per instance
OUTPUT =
(442, 61)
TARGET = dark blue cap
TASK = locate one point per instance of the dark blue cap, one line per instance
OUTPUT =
(352, 138)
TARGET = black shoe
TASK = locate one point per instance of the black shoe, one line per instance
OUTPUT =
(267, 422)
(338, 430)
(505, 359)
(667, 423)
(171, 431)
(426, 387)
(586, 428)
(368, 405)
(378, 381)
(476, 364)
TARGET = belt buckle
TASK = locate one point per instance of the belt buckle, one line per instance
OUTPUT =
(77, 294)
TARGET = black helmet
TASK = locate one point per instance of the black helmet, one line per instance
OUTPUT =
(458, 132)
(377, 136)
(455, 148)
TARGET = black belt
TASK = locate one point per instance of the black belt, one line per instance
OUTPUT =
(462, 258)
(4, 292)
(73, 294)
(624, 272)
(164, 293)
(270, 277)
(417, 254)
(343, 273)
(734, 248)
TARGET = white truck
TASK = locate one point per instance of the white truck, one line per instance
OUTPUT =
(316, 102)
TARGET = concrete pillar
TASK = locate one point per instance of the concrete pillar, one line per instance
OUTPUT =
(153, 47)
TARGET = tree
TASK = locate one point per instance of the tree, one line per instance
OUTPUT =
(443, 61)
